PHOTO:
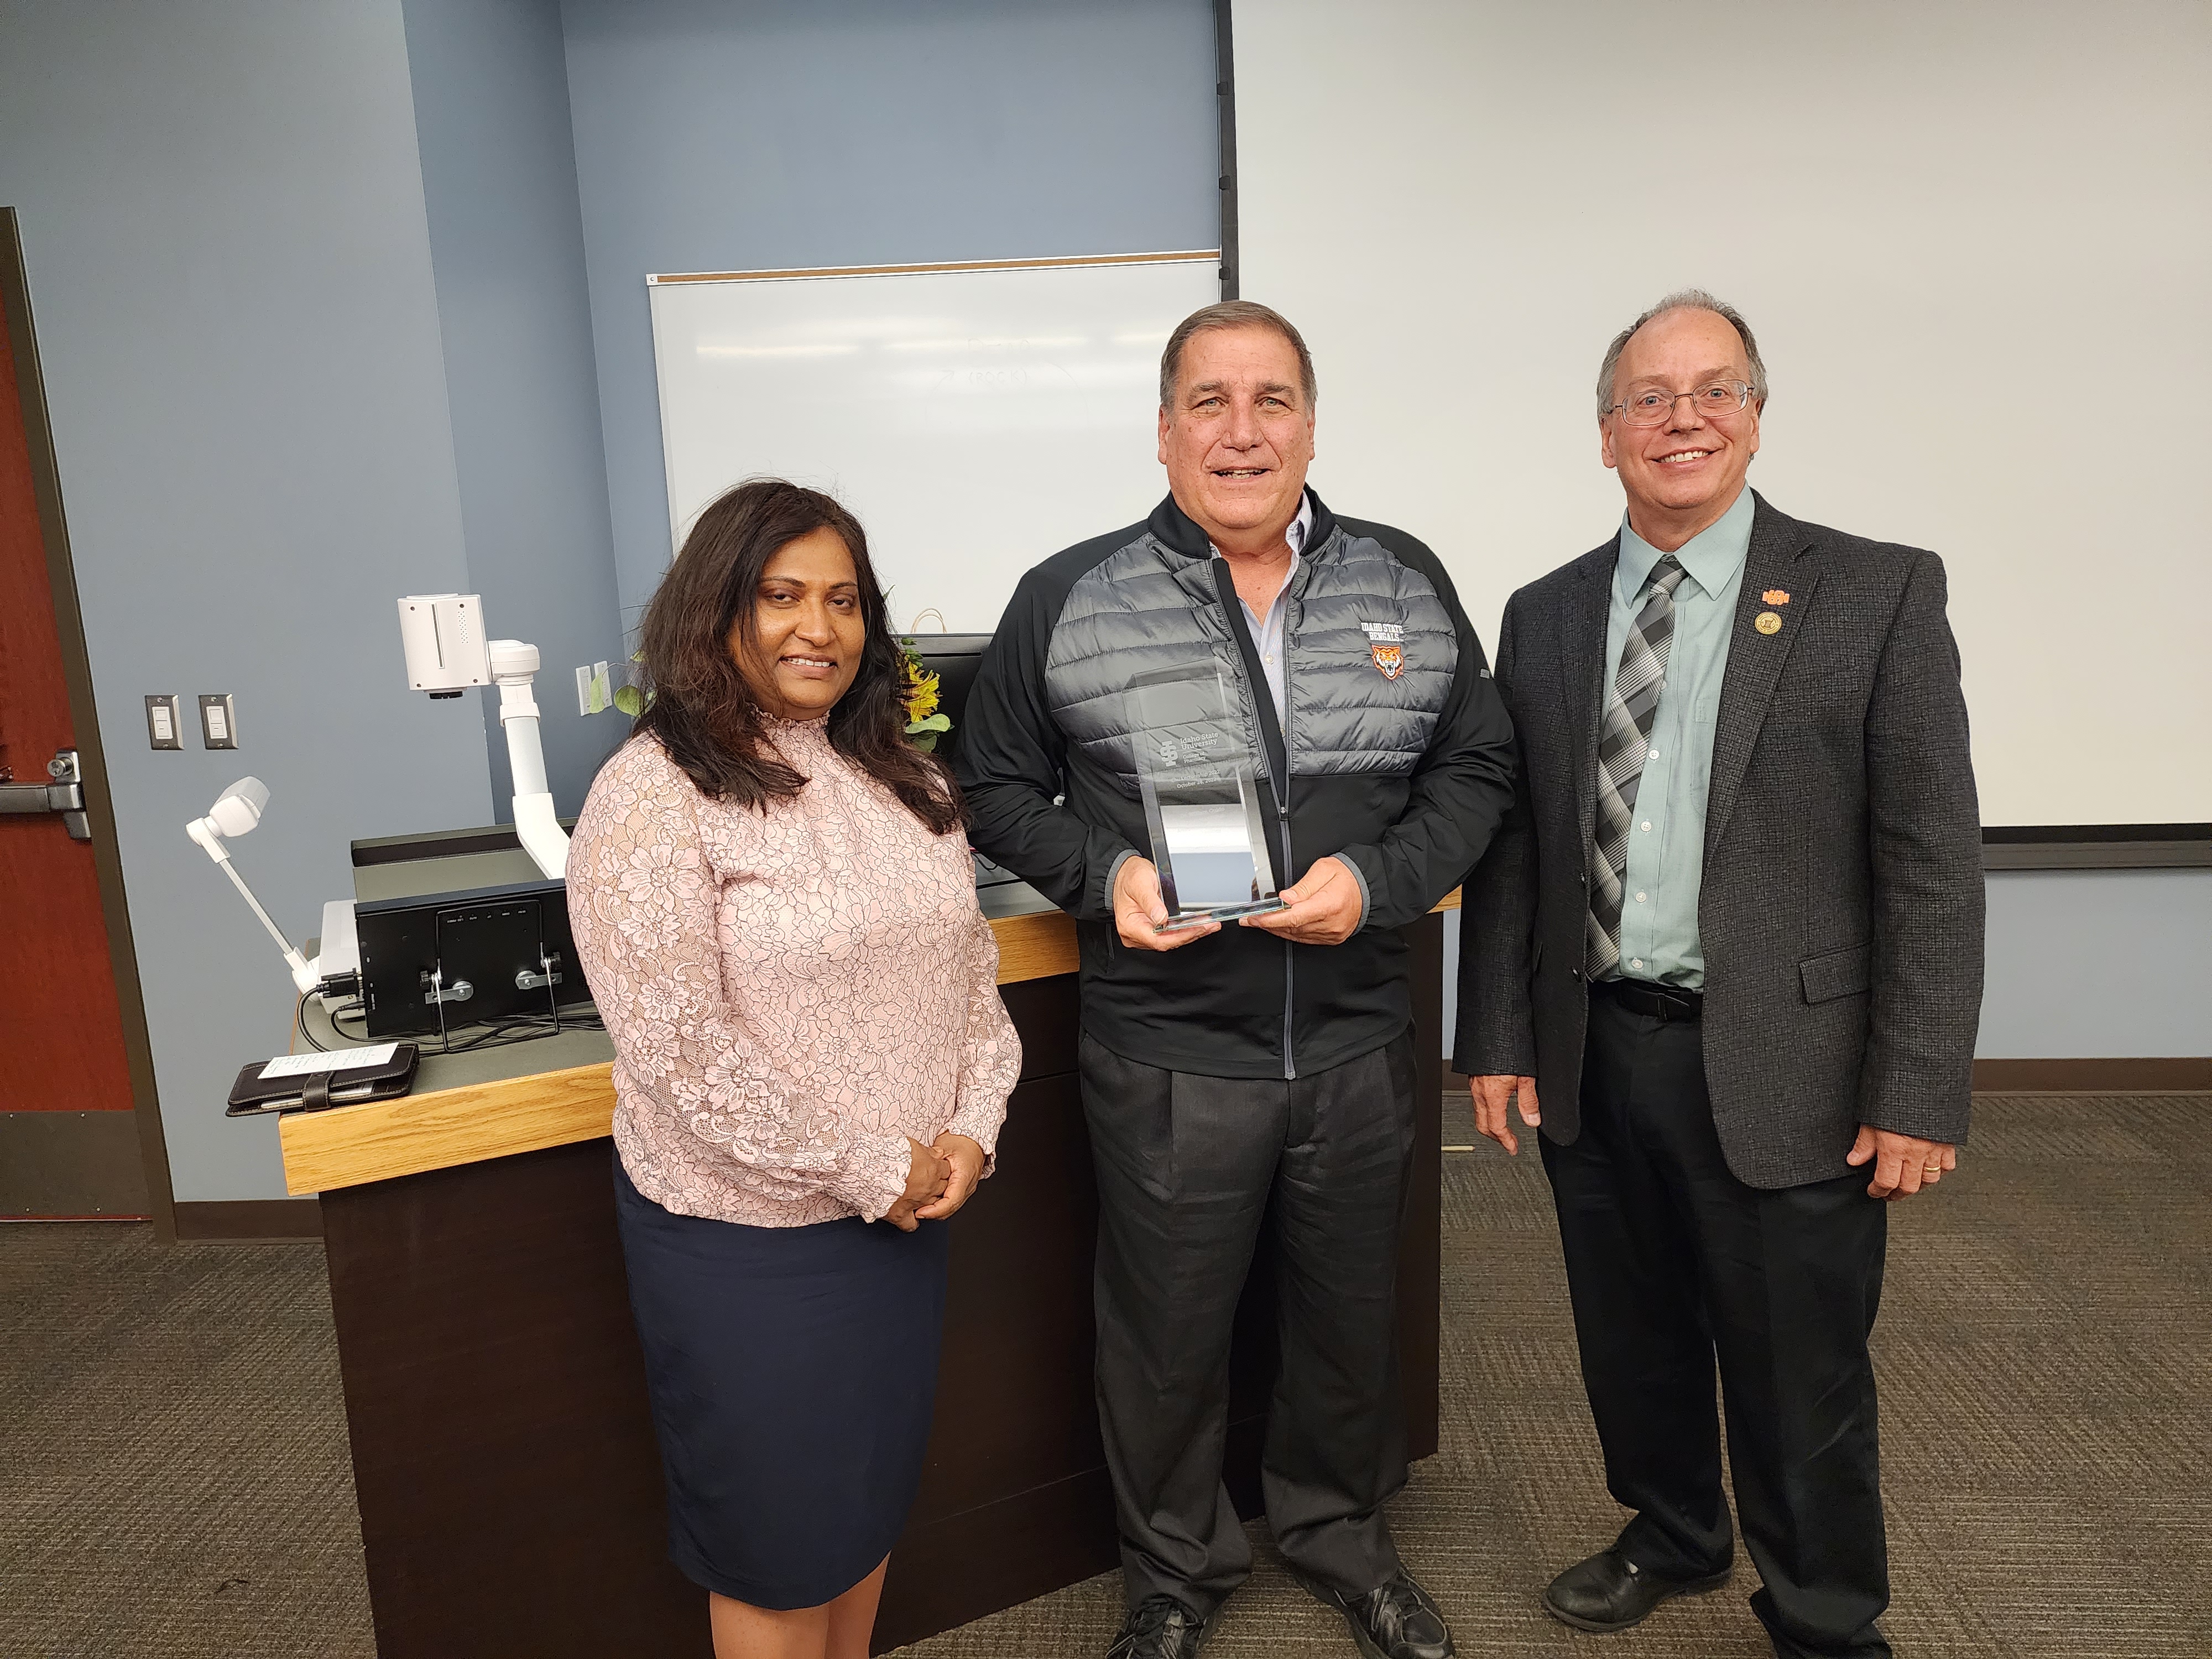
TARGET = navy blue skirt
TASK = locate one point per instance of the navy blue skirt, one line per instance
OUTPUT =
(793, 1371)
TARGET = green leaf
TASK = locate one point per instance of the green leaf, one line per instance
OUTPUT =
(927, 743)
(630, 700)
(934, 723)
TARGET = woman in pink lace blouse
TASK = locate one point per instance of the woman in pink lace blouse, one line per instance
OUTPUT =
(776, 913)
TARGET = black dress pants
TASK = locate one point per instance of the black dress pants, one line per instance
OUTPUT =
(1671, 1260)
(1187, 1165)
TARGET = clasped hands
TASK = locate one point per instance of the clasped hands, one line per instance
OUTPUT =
(1323, 908)
(940, 1178)
(1903, 1163)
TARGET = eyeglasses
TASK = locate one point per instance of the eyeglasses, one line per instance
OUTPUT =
(1652, 407)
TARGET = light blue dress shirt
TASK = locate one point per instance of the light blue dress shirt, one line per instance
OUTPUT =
(1267, 630)
(1667, 835)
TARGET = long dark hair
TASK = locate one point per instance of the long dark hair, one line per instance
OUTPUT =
(702, 709)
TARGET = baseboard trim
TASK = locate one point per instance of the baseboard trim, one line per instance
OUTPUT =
(251, 1221)
(2119, 1075)
(63, 1163)
(2129, 1074)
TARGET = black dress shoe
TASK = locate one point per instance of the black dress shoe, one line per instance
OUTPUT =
(1609, 1592)
(1395, 1620)
(1159, 1627)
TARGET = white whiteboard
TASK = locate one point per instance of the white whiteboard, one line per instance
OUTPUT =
(975, 419)
(1981, 234)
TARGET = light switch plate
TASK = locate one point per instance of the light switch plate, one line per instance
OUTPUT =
(162, 730)
(218, 721)
(593, 695)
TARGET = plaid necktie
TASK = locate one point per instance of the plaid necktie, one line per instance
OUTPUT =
(1622, 748)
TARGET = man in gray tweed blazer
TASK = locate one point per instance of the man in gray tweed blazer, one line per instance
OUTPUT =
(1731, 934)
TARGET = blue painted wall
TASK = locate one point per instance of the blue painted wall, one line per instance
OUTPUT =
(507, 250)
(327, 319)
(2098, 962)
(713, 136)
(2083, 964)
(222, 213)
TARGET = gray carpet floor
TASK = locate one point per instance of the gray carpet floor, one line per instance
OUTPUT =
(173, 1477)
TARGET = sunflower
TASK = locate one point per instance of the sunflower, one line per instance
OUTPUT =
(919, 696)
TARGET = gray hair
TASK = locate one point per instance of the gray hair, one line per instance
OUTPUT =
(1231, 314)
(1682, 299)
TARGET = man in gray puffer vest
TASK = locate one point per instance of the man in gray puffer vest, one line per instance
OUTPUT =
(1221, 1068)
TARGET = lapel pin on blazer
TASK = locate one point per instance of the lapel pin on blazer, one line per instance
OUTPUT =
(1767, 622)
(1775, 596)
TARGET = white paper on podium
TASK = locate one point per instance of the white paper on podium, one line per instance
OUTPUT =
(342, 1059)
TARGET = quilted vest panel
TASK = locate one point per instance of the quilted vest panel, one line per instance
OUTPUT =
(1371, 654)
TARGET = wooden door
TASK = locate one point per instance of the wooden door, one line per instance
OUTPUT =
(69, 1134)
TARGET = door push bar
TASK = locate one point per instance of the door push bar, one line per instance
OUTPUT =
(64, 795)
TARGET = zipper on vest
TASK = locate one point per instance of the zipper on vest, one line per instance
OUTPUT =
(1267, 718)
(1290, 950)
(1283, 824)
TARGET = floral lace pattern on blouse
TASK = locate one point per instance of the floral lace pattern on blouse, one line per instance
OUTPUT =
(791, 993)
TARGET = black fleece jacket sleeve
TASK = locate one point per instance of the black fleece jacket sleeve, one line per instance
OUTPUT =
(1011, 759)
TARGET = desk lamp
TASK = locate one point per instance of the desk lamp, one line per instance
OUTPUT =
(235, 813)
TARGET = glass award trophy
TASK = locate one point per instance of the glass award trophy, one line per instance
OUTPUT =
(1197, 774)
